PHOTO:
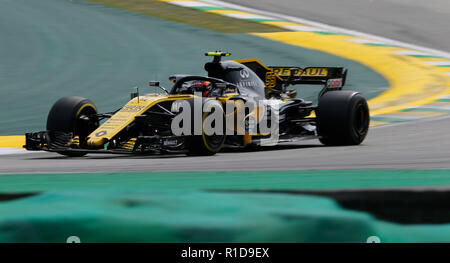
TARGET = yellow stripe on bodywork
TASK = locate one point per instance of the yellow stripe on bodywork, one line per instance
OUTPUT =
(126, 115)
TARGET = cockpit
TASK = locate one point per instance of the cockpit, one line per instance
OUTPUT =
(223, 77)
(200, 85)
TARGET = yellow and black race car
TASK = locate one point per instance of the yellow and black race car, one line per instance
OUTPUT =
(250, 103)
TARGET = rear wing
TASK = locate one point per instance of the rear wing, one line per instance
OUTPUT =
(279, 77)
(332, 77)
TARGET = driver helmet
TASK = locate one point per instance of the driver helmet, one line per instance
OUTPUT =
(201, 86)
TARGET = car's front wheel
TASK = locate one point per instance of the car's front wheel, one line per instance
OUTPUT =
(209, 143)
(72, 115)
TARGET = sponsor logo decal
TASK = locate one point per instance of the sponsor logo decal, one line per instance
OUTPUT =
(132, 108)
(308, 72)
(334, 83)
(315, 72)
(244, 73)
(271, 80)
(100, 133)
(286, 72)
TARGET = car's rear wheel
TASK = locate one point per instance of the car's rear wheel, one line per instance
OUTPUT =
(342, 118)
(72, 115)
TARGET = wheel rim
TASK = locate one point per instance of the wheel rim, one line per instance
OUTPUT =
(214, 141)
(361, 120)
(82, 128)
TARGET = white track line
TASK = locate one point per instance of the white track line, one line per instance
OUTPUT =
(303, 28)
(424, 120)
(246, 16)
(411, 53)
(438, 63)
(401, 117)
(330, 28)
(8, 151)
(431, 106)
(188, 3)
(365, 41)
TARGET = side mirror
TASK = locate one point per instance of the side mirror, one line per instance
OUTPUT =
(135, 93)
(157, 84)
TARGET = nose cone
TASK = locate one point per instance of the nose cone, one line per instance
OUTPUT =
(96, 142)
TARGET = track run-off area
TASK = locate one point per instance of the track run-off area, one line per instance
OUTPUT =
(101, 49)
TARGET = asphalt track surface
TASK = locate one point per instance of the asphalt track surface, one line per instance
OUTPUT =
(417, 145)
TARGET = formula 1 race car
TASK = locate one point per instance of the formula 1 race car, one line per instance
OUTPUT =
(176, 121)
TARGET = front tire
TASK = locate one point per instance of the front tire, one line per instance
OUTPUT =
(70, 115)
(342, 118)
(206, 145)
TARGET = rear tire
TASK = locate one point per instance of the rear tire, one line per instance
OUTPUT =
(342, 118)
(65, 115)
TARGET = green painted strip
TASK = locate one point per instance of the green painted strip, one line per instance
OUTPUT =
(444, 66)
(166, 207)
(426, 109)
(423, 56)
(385, 119)
(380, 45)
(443, 100)
(197, 216)
(210, 8)
(228, 180)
